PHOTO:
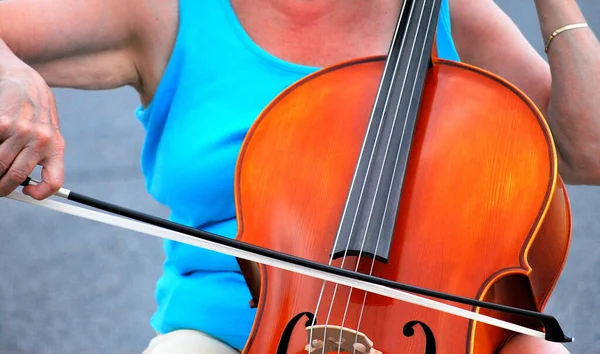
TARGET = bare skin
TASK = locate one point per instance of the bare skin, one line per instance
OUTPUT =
(112, 43)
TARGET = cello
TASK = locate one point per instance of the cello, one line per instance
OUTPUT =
(409, 168)
(382, 167)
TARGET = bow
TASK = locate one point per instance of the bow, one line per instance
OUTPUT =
(125, 218)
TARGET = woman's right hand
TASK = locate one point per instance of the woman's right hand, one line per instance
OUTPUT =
(29, 131)
(70, 43)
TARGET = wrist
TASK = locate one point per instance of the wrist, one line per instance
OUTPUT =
(4, 56)
(554, 14)
(8, 60)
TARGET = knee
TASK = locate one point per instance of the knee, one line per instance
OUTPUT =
(184, 341)
(522, 344)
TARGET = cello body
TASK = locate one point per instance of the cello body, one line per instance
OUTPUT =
(483, 212)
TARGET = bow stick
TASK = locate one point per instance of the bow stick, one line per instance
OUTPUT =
(154, 226)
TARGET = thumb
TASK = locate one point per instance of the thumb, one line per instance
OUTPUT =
(52, 179)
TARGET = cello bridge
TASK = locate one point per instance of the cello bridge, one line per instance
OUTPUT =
(339, 340)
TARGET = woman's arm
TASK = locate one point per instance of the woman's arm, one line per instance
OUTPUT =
(91, 44)
(567, 91)
(574, 107)
(72, 43)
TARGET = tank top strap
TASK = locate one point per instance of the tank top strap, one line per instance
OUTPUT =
(445, 43)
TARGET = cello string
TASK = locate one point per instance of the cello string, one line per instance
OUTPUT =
(361, 155)
(411, 13)
(379, 179)
(378, 138)
(398, 154)
(411, 101)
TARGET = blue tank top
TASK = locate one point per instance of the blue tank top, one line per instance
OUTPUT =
(216, 83)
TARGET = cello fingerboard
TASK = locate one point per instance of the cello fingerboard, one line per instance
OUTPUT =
(368, 221)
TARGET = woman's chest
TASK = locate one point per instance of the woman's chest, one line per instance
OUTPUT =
(320, 32)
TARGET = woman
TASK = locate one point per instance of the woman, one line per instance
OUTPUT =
(205, 69)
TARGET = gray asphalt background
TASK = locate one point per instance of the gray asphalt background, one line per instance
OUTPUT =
(74, 286)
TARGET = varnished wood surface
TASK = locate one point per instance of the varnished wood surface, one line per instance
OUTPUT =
(480, 180)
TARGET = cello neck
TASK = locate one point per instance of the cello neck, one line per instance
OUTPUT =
(367, 226)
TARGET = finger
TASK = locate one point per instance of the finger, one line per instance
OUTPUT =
(9, 150)
(22, 167)
(52, 179)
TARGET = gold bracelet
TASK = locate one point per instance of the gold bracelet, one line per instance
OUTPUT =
(561, 30)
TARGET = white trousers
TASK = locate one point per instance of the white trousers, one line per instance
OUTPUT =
(185, 341)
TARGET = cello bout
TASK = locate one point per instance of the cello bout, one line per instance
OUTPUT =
(474, 213)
